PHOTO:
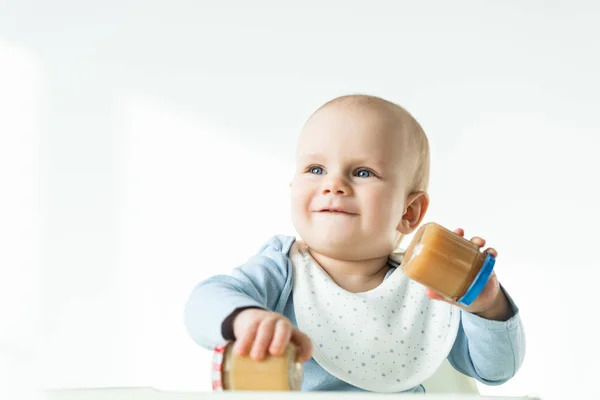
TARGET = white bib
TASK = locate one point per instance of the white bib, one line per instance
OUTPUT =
(389, 339)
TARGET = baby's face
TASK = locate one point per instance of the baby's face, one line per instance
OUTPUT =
(349, 189)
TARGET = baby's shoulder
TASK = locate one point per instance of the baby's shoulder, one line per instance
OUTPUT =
(278, 244)
(275, 252)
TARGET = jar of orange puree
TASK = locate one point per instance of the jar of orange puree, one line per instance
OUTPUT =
(448, 263)
(233, 372)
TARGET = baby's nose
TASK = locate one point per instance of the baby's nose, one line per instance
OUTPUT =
(337, 186)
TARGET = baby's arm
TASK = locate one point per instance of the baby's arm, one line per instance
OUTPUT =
(490, 345)
(258, 283)
(489, 351)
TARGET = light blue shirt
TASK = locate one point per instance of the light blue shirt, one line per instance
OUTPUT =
(489, 351)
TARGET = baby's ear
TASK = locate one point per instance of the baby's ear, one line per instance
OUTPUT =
(414, 211)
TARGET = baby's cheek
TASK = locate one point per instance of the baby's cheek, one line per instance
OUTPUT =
(296, 199)
(381, 211)
(300, 190)
(301, 206)
(300, 212)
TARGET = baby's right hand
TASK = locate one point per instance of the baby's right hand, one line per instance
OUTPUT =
(261, 332)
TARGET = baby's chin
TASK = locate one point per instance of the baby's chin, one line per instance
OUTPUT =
(343, 246)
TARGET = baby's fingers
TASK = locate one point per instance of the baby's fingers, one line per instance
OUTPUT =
(244, 343)
(432, 294)
(281, 338)
(491, 251)
(475, 239)
(304, 345)
(478, 241)
(264, 336)
(459, 231)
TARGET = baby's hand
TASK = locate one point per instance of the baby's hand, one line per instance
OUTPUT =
(491, 302)
(261, 332)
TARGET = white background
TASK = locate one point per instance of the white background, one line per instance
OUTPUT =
(145, 146)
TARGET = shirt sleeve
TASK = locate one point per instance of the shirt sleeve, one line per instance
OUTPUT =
(258, 283)
(489, 351)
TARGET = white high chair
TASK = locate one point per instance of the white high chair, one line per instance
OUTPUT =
(449, 380)
(444, 382)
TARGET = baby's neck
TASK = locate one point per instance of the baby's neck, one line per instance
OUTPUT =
(354, 276)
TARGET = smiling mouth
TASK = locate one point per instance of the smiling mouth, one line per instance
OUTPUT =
(331, 211)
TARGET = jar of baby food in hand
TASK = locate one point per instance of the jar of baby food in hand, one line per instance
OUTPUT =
(233, 372)
(446, 262)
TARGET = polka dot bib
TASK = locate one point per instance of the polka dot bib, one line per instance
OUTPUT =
(389, 339)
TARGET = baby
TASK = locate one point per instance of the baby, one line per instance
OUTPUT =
(362, 170)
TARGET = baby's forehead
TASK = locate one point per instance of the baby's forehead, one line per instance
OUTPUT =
(351, 140)
(374, 132)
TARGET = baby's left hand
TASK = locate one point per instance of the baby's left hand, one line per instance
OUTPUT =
(491, 302)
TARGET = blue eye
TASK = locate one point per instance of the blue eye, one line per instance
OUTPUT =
(364, 173)
(317, 170)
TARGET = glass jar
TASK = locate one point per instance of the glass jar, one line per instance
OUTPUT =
(242, 373)
(446, 262)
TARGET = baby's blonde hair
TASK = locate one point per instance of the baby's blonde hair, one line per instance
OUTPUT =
(417, 140)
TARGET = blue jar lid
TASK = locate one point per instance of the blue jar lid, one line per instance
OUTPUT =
(479, 282)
